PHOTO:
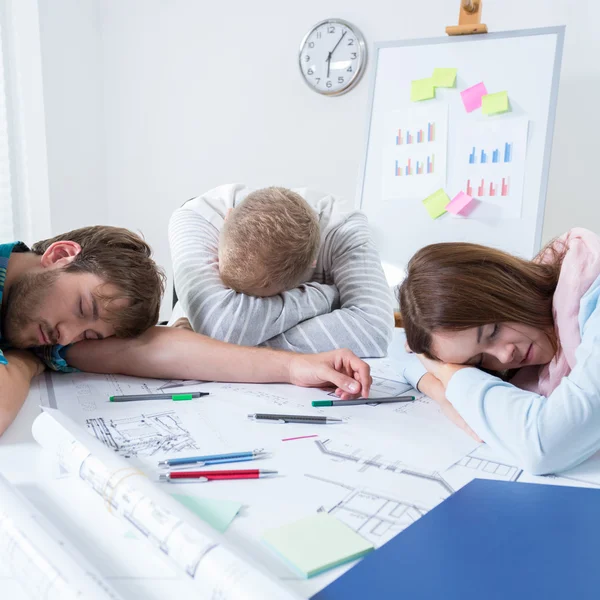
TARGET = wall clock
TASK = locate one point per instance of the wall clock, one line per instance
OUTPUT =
(332, 57)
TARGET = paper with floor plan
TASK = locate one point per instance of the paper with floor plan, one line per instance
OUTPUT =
(361, 472)
(213, 570)
(40, 558)
(149, 431)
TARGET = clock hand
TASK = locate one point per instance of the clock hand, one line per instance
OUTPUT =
(343, 34)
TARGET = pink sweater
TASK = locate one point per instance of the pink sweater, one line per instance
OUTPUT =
(580, 268)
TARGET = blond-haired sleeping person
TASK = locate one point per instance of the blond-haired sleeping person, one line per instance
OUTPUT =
(280, 268)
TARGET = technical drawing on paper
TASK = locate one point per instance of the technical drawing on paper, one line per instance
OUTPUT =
(364, 461)
(143, 435)
(481, 463)
(379, 516)
(376, 516)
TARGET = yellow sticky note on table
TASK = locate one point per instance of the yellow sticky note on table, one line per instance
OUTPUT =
(493, 104)
(316, 543)
(436, 203)
(444, 77)
(422, 89)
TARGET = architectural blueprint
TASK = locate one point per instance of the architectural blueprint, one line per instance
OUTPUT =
(379, 471)
(213, 570)
(145, 434)
(43, 564)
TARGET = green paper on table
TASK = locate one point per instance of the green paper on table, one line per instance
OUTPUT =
(444, 77)
(436, 203)
(422, 89)
(493, 104)
(317, 543)
(217, 513)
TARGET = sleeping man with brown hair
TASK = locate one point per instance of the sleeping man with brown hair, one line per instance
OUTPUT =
(89, 300)
(280, 268)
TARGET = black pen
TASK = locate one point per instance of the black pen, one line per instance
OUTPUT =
(175, 397)
(360, 401)
(311, 419)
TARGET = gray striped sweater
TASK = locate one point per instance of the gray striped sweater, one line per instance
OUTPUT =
(346, 303)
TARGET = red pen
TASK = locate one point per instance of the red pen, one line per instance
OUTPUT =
(202, 476)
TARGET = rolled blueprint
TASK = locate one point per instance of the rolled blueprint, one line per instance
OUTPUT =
(45, 564)
(216, 571)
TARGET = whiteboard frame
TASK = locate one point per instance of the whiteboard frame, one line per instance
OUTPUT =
(558, 30)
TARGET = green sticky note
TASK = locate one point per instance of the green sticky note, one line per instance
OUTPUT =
(422, 89)
(316, 543)
(494, 104)
(444, 77)
(217, 513)
(436, 203)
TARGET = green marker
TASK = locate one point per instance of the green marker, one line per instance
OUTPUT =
(362, 401)
(175, 397)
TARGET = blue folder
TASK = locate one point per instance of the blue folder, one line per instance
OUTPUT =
(491, 540)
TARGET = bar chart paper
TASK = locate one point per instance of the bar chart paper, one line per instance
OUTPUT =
(414, 155)
(488, 163)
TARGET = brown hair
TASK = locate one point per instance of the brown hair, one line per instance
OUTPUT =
(270, 239)
(122, 258)
(456, 286)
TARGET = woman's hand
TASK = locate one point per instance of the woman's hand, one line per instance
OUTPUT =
(440, 370)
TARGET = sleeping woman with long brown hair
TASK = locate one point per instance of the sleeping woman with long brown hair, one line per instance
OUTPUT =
(512, 345)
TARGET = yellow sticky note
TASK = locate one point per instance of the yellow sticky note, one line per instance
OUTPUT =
(444, 77)
(436, 203)
(493, 104)
(422, 89)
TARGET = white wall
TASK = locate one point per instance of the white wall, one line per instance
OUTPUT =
(73, 74)
(163, 100)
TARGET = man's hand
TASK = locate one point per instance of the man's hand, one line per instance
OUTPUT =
(341, 368)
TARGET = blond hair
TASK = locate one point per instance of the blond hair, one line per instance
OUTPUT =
(269, 241)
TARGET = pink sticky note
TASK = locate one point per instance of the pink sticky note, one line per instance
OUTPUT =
(458, 203)
(472, 96)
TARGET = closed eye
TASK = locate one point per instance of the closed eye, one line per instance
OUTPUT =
(495, 331)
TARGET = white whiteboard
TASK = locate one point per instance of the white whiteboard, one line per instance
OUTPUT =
(526, 64)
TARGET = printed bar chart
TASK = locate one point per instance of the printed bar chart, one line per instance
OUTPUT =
(418, 167)
(419, 136)
(488, 188)
(483, 155)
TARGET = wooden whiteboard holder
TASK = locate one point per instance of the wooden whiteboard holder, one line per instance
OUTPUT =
(469, 19)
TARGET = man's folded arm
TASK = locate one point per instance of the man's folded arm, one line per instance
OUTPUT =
(218, 311)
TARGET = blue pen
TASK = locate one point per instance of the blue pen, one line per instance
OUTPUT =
(213, 459)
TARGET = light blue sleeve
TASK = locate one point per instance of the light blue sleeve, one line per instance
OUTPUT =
(544, 435)
(413, 369)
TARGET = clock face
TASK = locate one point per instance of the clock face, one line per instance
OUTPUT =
(332, 57)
